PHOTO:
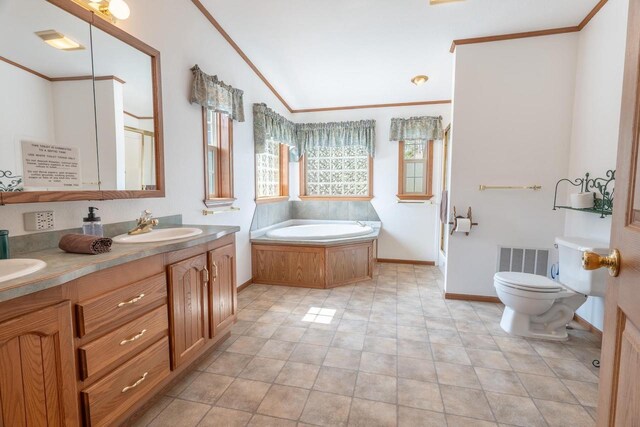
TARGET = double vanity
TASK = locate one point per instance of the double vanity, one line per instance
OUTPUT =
(89, 340)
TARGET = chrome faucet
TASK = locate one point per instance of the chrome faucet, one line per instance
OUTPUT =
(145, 223)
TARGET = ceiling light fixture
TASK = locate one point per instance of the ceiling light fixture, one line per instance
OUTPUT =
(59, 40)
(419, 80)
(111, 10)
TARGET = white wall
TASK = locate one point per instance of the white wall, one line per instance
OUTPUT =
(596, 120)
(512, 112)
(409, 231)
(191, 39)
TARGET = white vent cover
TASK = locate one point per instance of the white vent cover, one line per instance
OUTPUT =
(534, 261)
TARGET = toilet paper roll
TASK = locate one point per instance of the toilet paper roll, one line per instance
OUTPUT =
(463, 225)
(581, 200)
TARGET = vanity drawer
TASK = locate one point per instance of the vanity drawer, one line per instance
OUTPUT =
(114, 394)
(113, 306)
(127, 339)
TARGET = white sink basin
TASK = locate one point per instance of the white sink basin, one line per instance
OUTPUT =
(159, 235)
(18, 267)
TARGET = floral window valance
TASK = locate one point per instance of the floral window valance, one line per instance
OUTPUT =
(267, 124)
(339, 134)
(416, 129)
(214, 94)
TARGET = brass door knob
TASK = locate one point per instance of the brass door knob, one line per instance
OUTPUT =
(593, 261)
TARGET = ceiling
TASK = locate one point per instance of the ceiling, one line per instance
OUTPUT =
(20, 19)
(355, 52)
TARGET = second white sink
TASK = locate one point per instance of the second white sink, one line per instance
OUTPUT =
(18, 267)
(159, 235)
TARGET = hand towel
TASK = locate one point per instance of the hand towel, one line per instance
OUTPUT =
(85, 244)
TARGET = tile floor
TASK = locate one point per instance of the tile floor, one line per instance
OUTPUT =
(386, 352)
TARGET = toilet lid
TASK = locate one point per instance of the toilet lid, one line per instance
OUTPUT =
(527, 281)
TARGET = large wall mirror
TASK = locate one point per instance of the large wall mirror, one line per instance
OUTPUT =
(80, 110)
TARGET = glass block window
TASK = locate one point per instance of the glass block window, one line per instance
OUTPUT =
(268, 171)
(337, 172)
(415, 169)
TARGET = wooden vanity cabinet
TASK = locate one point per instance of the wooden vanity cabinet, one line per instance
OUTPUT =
(37, 370)
(222, 293)
(188, 297)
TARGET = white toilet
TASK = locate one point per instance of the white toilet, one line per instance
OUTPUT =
(538, 307)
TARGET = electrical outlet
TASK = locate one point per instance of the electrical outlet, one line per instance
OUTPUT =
(38, 221)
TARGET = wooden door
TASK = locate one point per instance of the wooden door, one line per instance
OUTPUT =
(222, 298)
(37, 369)
(619, 400)
(189, 308)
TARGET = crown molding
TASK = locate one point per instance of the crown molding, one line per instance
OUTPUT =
(359, 107)
(527, 34)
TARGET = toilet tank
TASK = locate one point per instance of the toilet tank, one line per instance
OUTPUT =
(572, 275)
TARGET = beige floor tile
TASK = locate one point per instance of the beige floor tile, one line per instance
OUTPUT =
(365, 413)
(262, 369)
(500, 381)
(412, 417)
(265, 421)
(514, 345)
(586, 393)
(417, 369)
(386, 330)
(326, 409)
(157, 407)
(206, 388)
(217, 417)
(465, 402)
(247, 345)
(528, 364)
(384, 364)
(336, 380)
(261, 330)
(478, 341)
(418, 394)
(547, 388)
(275, 349)
(317, 337)
(283, 402)
(298, 375)
(229, 364)
(552, 349)
(450, 354)
(244, 395)
(181, 385)
(488, 359)
(415, 349)
(381, 388)
(458, 375)
(308, 353)
(342, 358)
(288, 333)
(250, 314)
(181, 413)
(381, 345)
(445, 323)
(515, 410)
(353, 326)
(563, 414)
(571, 370)
(416, 333)
(457, 421)
(348, 340)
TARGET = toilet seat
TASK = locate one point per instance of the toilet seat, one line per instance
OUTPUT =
(527, 282)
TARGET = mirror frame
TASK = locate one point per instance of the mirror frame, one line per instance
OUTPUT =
(63, 196)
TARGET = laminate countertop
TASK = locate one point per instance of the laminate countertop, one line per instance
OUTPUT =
(63, 267)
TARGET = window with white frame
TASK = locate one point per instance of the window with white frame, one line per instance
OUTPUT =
(336, 172)
(415, 170)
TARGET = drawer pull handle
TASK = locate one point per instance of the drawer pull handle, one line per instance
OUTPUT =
(133, 338)
(205, 276)
(131, 301)
(215, 271)
(136, 384)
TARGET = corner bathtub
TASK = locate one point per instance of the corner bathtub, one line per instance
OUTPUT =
(316, 255)
(319, 232)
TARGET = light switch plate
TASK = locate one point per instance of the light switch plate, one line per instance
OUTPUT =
(38, 221)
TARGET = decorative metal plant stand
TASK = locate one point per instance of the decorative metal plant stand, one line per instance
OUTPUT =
(603, 204)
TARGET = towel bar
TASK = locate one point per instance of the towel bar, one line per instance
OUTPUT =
(206, 212)
(510, 187)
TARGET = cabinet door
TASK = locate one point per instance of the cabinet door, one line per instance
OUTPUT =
(37, 369)
(188, 281)
(222, 265)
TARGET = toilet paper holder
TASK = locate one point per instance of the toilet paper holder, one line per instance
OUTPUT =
(454, 223)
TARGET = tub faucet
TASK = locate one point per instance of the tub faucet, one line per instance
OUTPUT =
(144, 224)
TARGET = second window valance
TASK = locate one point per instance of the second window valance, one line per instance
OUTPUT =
(214, 94)
(423, 128)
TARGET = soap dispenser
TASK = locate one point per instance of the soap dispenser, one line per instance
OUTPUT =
(91, 224)
(4, 244)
